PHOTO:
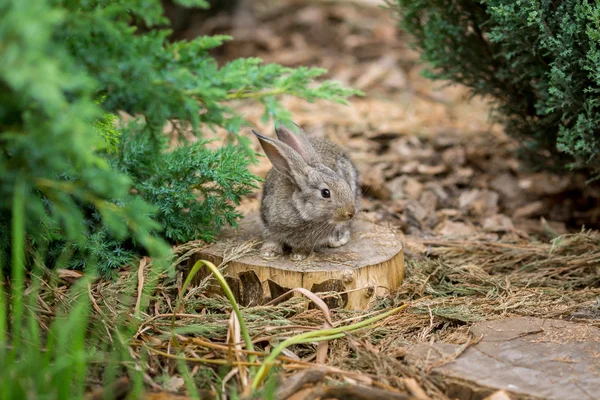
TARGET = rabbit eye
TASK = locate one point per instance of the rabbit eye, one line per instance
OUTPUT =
(325, 193)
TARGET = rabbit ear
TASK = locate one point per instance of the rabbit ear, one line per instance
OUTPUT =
(297, 141)
(284, 159)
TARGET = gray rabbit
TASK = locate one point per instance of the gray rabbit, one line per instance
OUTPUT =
(310, 195)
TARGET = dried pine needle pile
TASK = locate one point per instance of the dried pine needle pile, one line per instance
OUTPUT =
(449, 285)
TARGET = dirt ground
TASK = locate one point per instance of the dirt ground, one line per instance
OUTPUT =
(431, 161)
(484, 240)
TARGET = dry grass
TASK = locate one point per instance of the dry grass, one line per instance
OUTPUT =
(449, 287)
(449, 284)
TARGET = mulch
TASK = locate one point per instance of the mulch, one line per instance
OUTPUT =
(484, 238)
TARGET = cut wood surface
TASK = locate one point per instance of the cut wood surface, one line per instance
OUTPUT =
(371, 263)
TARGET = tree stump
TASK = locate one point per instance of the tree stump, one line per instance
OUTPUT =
(371, 263)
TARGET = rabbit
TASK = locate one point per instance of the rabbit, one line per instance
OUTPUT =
(310, 196)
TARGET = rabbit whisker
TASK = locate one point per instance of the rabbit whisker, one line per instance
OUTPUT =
(320, 231)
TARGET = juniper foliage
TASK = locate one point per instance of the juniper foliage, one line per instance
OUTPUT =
(194, 189)
(538, 59)
(98, 186)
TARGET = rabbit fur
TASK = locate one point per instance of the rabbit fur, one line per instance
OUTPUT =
(296, 209)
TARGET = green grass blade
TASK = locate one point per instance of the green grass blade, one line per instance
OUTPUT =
(189, 380)
(5, 387)
(228, 293)
(315, 336)
(70, 329)
(3, 311)
(18, 264)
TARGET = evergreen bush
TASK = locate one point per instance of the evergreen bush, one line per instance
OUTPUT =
(97, 186)
(538, 59)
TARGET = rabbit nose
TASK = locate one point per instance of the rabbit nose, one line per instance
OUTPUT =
(345, 214)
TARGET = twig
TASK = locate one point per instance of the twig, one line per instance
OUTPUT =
(294, 383)
(356, 392)
(416, 390)
(117, 389)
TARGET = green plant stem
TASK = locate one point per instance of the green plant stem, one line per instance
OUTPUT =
(316, 336)
(320, 338)
(236, 309)
(255, 95)
(3, 309)
(18, 265)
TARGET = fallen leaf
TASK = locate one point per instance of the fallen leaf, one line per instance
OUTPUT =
(69, 273)
(431, 169)
(448, 212)
(375, 72)
(454, 229)
(454, 157)
(416, 213)
(530, 210)
(413, 188)
(373, 182)
(507, 185)
(396, 80)
(498, 223)
(405, 187)
(429, 201)
(479, 202)
(174, 383)
(544, 183)
(410, 167)
(143, 262)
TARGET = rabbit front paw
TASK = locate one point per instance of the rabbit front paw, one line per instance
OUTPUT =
(270, 250)
(339, 238)
(299, 255)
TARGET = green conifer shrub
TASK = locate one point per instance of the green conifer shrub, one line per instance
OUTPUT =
(539, 60)
(99, 187)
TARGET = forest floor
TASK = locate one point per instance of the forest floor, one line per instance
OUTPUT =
(484, 240)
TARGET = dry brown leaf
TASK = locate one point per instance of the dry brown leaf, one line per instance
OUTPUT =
(143, 262)
(479, 202)
(68, 273)
(431, 169)
(544, 183)
(311, 296)
(498, 223)
(375, 72)
(373, 182)
(507, 185)
(322, 349)
(234, 337)
(413, 188)
(454, 157)
(405, 187)
(454, 229)
(530, 210)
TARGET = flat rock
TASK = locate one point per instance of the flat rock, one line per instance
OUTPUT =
(529, 357)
